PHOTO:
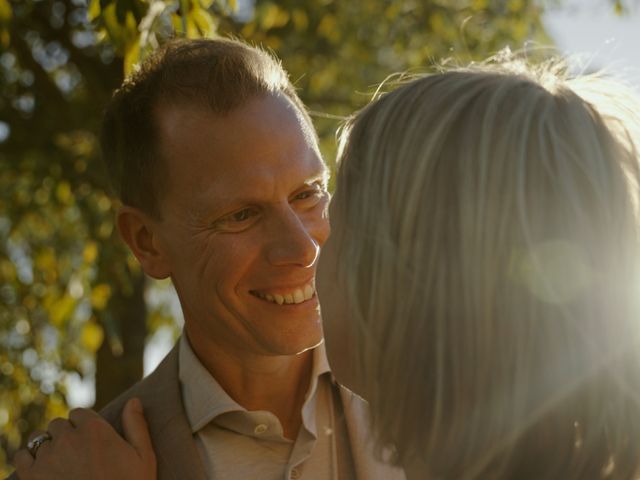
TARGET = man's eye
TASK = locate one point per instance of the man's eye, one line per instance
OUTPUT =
(242, 215)
(314, 192)
(306, 194)
(237, 221)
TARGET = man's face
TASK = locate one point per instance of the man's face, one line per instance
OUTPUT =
(243, 220)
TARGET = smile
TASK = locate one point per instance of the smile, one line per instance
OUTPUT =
(296, 295)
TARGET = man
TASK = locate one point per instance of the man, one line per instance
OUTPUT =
(223, 189)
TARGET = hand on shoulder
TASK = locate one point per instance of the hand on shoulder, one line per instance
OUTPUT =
(86, 447)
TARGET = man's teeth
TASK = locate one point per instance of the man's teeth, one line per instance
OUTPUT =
(298, 295)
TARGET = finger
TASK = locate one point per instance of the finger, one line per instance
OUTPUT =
(136, 430)
(23, 461)
(34, 434)
(59, 426)
(42, 446)
(79, 416)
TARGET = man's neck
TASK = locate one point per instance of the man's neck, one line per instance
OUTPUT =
(276, 384)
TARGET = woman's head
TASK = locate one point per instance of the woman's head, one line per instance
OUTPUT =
(479, 285)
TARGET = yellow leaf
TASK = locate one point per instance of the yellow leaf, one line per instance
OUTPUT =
(56, 407)
(131, 24)
(90, 252)
(100, 296)
(204, 22)
(479, 4)
(19, 375)
(61, 310)
(300, 19)
(132, 263)
(105, 229)
(29, 302)
(327, 27)
(114, 30)
(5, 11)
(176, 22)
(131, 57)
(515, 5)
(45, 260)
(436, 22)
(63, 192)
(92, 336)
(273, 16)
(94, 10)
(192, 28)
(7, 271)
(273, 42)
(122, 35)
(248, 30)
(5, 38)
(4, 417)
(392, 11)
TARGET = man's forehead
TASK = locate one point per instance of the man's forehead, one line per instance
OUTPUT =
(264, 148)
(166, 109)
(263, 182)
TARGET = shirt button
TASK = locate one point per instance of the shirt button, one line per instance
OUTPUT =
(295, 474)
(260, 429)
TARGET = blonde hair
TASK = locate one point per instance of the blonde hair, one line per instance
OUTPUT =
(487, 236)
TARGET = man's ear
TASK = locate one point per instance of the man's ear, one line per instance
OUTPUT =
(137, 230)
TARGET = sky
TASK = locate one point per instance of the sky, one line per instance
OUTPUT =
(587, 28)
(592, 30)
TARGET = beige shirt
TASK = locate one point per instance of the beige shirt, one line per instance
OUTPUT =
(238, 444)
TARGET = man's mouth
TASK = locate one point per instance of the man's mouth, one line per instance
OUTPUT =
(288, 297)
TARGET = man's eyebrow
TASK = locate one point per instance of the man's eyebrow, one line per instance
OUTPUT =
(321, 176)
(221, 205)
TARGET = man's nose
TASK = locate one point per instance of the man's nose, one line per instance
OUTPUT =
(292, 242)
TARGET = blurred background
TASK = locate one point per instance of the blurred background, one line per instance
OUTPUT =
(79, 322)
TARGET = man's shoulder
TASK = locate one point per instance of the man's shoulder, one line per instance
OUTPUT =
(169, 429)
(160, 386)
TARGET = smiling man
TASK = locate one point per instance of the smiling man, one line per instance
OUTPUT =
(224, 191)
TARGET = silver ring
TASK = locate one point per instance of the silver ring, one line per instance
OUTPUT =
(34, 444)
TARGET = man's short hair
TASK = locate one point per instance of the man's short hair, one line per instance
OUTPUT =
(220, 74)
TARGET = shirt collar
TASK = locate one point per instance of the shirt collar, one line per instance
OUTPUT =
(204, 399)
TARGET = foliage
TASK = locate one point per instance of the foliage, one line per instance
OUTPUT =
(340, 51)
(71, 298)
